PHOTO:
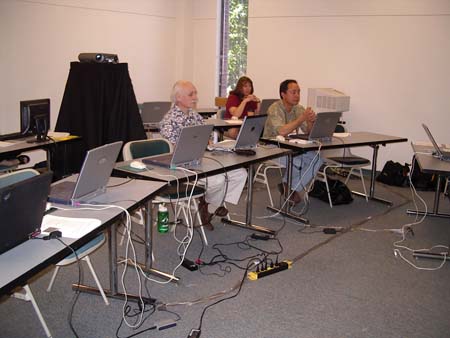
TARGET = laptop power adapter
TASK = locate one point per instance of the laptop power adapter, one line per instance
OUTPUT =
(190, 265)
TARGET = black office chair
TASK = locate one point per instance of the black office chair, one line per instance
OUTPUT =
(342, 159)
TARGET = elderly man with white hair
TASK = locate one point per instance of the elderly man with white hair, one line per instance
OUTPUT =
(182, 114)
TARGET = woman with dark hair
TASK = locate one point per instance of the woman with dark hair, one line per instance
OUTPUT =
(241, 102)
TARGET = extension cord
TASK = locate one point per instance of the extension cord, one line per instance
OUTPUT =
(397, 231)
(284, 265)
(195, 333)
(165, 324)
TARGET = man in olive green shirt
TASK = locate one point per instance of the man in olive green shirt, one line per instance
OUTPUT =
(284, 117)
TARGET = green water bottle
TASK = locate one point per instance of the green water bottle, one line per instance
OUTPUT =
(163, 219)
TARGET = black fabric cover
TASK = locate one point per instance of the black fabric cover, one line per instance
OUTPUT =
(99, 105)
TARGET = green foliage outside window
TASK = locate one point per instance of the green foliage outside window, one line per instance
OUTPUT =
(238, 40)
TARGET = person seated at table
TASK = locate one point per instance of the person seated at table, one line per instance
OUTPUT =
(182, 114)
(284, 117)
(240, 103)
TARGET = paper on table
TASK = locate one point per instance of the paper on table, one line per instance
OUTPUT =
(444, 147)
(5, 144)
(423, 143)
(70, 227)
(341, 134)
(58, 134)
(233, 121)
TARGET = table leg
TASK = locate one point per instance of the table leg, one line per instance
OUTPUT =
(48, 162)
(147, 266)
(435, 212)
(113, 275)
(432, 255)
(286, 209)
(372, 179)
(248, 214)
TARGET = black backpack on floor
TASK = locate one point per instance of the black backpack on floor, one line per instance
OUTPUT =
(394, 173)
(339, 192)
(422, 181)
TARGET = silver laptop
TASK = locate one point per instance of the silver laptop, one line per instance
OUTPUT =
(442, 155)
(248, 136)
(94, 175)
(188, 151)
(22, 206)
(323, 127)
(153, 112)
(265, 104)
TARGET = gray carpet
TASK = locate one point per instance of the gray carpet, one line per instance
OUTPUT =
(345, 285)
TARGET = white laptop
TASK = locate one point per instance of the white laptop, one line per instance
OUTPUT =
(322, 129)
(94, 175)
(188, 151)
(439, 153)
(248, 136)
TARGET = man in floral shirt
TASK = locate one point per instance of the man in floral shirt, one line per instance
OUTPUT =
(182, 114)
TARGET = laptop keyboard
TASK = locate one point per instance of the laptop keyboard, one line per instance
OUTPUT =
(12, 136)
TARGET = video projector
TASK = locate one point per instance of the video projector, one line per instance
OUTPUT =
(98, 58)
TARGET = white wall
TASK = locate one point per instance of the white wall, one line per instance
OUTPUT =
(204, 47)
(39, 39)
(391, 57)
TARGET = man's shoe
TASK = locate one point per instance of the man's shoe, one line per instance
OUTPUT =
(205, 216)
(294, 197)
(208, 226)
(221, 211)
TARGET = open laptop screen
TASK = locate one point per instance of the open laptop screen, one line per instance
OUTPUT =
(188, 151)
(94, 175)
(441, 154)
(250, 131)
(153, 112)
(323, 127)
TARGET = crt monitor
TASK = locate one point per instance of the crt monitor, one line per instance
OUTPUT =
(35, 118)
(328, 100)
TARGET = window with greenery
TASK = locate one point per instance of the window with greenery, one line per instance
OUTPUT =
(233, 46)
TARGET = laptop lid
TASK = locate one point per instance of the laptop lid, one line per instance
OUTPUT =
(153, 112)
(437, 149)
(250, 132)
(324, 125)
(189, 149)
(22, 207)
(265, 104)
(93, 178)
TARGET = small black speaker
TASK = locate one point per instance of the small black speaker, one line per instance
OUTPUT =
(98, 58)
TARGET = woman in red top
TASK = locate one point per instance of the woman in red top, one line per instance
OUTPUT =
(241, 102)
